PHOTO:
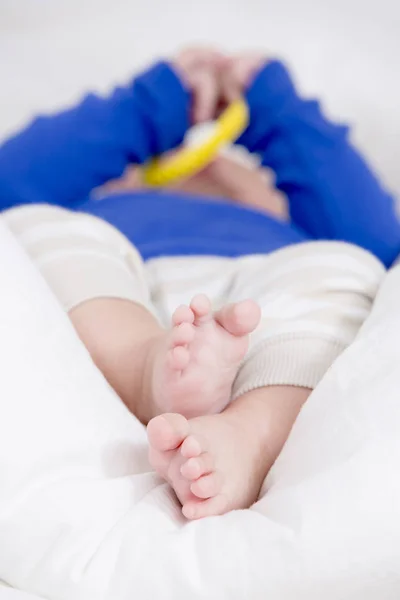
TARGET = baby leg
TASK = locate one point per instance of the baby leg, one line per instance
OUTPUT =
(99, 278)
(188, 369)
(314, 299)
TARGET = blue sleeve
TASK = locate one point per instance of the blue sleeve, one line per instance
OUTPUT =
(60, 159)
(332, 193)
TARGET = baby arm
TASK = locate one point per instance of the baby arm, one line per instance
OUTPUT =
(59, 159)
(332, 192)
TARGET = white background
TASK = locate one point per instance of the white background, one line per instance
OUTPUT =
(346, 51)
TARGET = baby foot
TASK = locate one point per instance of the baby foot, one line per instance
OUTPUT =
(212, 462)
(195, 364)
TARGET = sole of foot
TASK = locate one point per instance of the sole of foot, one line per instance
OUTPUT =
(211, 463)
(196, 362)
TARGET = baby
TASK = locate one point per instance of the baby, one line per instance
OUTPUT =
(260, 306)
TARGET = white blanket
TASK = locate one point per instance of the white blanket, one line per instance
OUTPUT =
(83, 518)
(10, 594)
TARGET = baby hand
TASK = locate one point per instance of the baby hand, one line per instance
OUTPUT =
(199, 70)
(237, 73)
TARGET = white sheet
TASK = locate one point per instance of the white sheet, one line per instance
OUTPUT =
(9, 594)
(81, 516)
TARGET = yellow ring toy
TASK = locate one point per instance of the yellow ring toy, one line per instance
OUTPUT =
(188, 161)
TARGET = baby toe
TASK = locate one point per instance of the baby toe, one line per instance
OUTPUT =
(194, 468)
(183, 314)
(218, 505)
(247, 315)
(178, 358)
(182, 334)
(240, 318)
(207, 486)
(201, 306)
(167, 432)
(191, 447)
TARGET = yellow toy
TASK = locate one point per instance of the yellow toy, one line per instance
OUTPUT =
(188, 161)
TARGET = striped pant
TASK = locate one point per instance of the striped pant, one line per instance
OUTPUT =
(314, 296)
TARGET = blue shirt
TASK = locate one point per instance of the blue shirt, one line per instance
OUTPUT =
(332, 193)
